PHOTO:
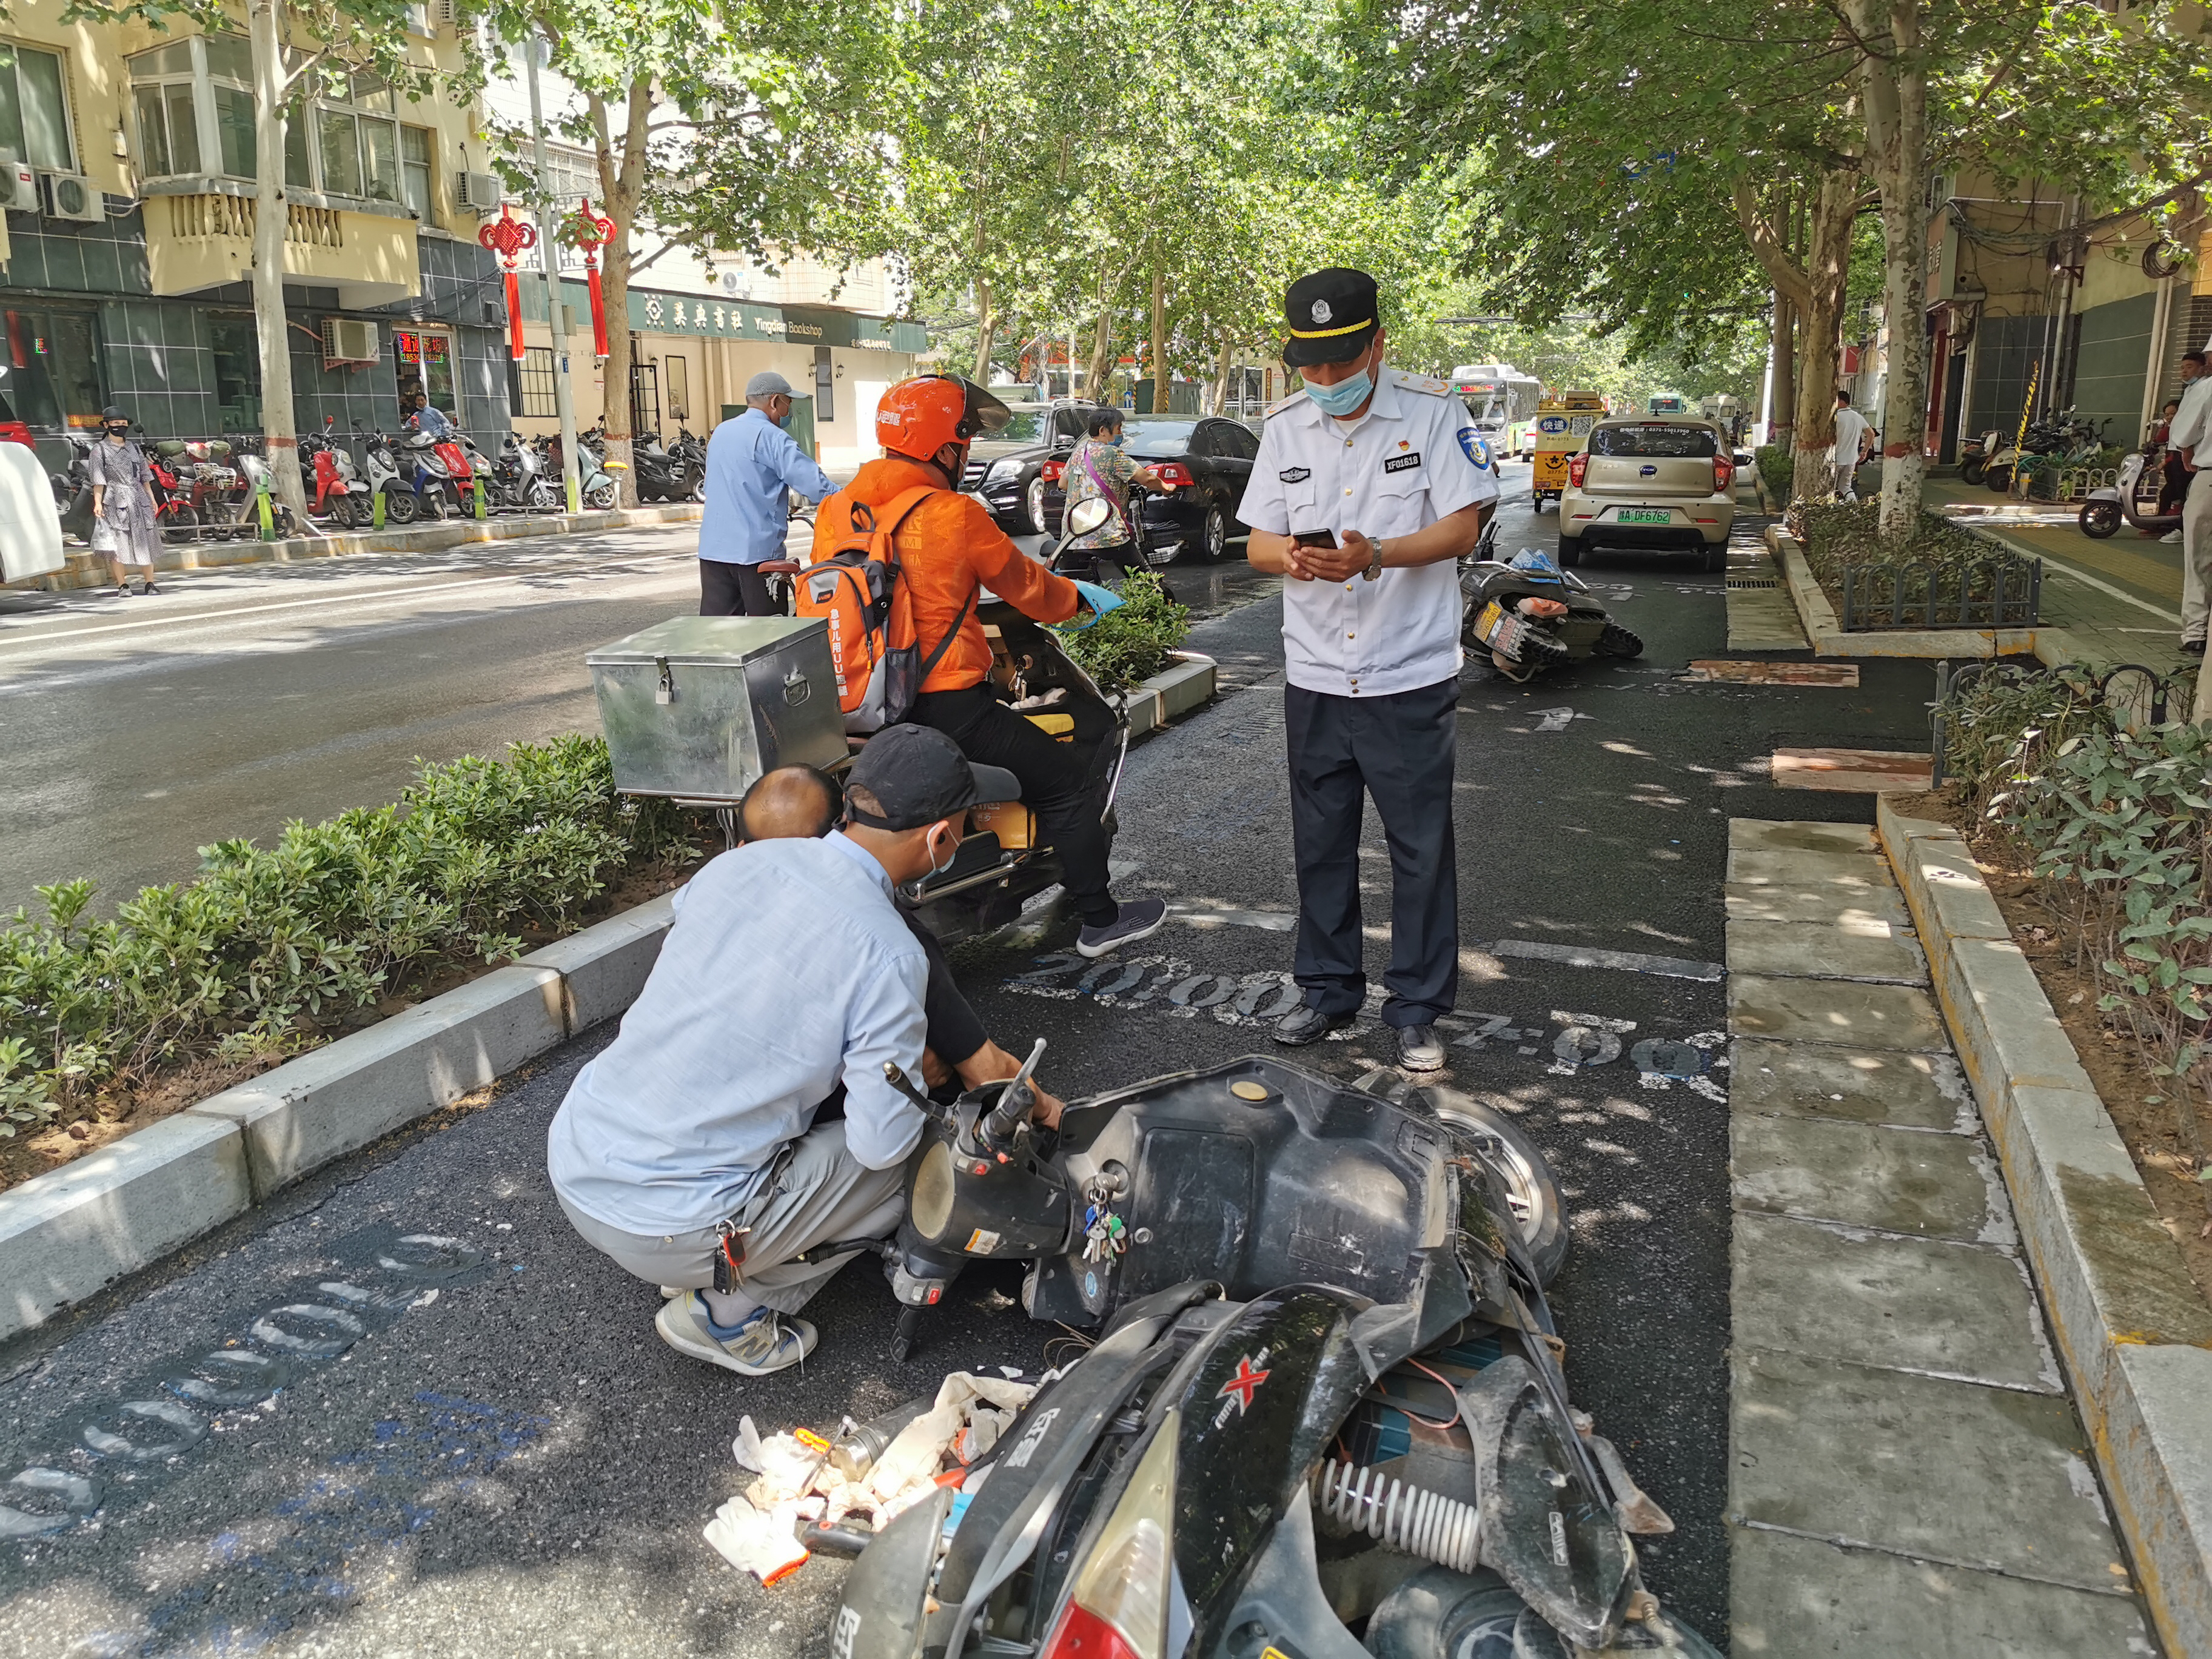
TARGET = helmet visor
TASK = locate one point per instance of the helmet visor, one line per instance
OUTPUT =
(984, 412)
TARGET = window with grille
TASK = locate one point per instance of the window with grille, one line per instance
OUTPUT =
(538, 400)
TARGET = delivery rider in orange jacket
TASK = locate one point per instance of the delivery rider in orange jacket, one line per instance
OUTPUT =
(948, 548)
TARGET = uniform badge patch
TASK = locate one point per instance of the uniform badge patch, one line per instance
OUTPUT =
(1403, 463)
(1295, 474)
(1477, 450)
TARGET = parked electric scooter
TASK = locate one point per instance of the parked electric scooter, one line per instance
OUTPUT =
(73, 489)
(402, 504)
(1304, 1414)
(1975, 454)
(664, 475)
(426, 473)
(594, 482)
(519, 478)
(2105, 510)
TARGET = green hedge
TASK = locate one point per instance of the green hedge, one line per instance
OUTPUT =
(1778, 469)
(270, 948)
(2116, 813)
(1132, 644)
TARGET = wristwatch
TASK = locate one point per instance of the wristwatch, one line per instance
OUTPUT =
(1374, 564)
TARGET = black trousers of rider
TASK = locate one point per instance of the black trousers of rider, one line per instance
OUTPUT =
(1052, 780)
(1400, 748)
(733, 590)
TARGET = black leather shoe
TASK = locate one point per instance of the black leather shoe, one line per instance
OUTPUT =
(1309, 1024)
(2194, 647)
(1419, 1049)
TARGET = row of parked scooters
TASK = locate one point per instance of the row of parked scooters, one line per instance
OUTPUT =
(207, 489)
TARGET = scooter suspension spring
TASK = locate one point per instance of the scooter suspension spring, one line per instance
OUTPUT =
(1401, 1516)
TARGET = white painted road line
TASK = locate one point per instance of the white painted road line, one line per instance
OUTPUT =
(1584, 956)
(1274, 922)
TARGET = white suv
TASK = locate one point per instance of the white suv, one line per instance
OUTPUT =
(1649, 481)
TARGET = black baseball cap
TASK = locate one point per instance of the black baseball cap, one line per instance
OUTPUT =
(1331, 316)
(918, 775)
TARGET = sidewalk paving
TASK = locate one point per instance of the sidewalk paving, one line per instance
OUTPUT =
(1908, 1477)
(2119, 600)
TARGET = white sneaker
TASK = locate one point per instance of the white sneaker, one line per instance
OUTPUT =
(768, 1341)
(2172, 539)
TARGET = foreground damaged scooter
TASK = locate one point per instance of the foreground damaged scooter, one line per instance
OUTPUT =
(1326, 1398)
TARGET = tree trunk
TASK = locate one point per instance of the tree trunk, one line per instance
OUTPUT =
(1221, 378)
(1895, 89)
(987, 324)
(1827, 267)
(1160, 335)
(1784, 417)
(624, 183)
(280, 433)
(1102, 346)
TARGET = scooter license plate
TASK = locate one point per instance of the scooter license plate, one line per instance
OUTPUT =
(1488, 621)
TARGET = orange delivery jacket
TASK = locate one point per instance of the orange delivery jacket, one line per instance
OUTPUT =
(947, 548)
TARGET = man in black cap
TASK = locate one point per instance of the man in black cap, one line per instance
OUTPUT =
(788, 977)
(1366, 491)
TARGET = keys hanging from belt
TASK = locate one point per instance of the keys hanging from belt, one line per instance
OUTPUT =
(729, 1257)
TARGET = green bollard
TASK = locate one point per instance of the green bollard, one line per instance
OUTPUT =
(268, 518)
(376, 511)
(482, 511)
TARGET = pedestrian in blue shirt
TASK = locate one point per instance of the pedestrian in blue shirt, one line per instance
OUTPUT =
(752, 464)
(429, 418)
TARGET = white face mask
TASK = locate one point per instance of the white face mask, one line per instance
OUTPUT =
(935, 868)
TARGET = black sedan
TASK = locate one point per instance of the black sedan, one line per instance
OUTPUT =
(1003, 469)
(1209, 461)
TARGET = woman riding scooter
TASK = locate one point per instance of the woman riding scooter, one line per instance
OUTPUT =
(1099, 469)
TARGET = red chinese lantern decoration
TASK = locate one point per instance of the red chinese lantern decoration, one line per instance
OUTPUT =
(508, 236)
(591, 233)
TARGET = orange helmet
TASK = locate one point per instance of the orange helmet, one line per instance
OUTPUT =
(918, 418)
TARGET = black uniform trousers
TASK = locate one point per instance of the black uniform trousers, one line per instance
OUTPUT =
(1051, 778)
(1401, 749)
(733, 590)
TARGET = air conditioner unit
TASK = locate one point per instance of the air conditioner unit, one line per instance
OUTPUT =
(350, 340)
(76, 196)
(446, 12)
(479, 192)
(736, 285)
(19, 187)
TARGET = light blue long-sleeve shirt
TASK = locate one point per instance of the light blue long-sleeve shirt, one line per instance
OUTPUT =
(431, 419)
(750, 463)
(787, 971)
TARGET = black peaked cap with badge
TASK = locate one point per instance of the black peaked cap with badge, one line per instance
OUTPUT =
(1331, 316)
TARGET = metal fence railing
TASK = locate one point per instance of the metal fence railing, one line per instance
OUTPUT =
(2002, 591)
(2149, 697)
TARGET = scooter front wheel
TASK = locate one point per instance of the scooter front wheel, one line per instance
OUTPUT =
(1971, 469)
(1530, 1186)
(2100, 520)
(401, 507)
(600, 497)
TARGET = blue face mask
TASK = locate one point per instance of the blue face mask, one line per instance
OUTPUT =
(1347, 395)
(1113, 442)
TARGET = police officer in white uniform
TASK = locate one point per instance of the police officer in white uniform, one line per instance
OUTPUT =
(1366, 491)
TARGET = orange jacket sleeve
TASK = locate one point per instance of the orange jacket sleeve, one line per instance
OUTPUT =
(1011, 573)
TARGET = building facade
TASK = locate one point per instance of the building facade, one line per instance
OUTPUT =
(127, 246)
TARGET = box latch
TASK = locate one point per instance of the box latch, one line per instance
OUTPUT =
(666, 692)
(796, 688)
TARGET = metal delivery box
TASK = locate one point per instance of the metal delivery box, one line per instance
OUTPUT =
(698, 706)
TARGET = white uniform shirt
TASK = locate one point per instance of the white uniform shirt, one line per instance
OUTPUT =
(2192, 422)
(1409, 463)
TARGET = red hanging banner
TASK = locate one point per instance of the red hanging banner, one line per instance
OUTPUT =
(591, 232)
(508, 236)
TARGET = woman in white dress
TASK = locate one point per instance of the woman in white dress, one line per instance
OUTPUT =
(123, 521)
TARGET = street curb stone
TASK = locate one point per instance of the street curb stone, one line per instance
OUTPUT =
(605, 967)
(86, 570)
(2132, 1331)
(1829, 639)
(71, 1231)
(1174, 691)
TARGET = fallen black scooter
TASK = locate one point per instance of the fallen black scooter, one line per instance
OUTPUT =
(1528, 616)
(1326, 1398)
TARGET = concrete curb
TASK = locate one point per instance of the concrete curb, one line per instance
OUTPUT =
(1829, 639)
(2131, 1330)
(67, 1234)
(87, 569)
(1172, 691)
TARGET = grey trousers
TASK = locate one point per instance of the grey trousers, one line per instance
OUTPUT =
(2197, 554)
(822, 1196)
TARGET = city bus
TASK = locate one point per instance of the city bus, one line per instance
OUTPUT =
(1503, 401)
(1666, 402)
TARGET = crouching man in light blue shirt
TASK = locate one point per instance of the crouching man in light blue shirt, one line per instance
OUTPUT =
(788, 979)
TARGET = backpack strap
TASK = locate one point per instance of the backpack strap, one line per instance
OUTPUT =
(895, 514)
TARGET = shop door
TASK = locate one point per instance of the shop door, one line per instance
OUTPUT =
(644, 399)
(52, 362)
(425, 362)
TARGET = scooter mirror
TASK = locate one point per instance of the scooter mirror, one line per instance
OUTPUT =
(1087, 516)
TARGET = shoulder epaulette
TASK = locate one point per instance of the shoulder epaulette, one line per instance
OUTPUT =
(1413, 382)
(1282, 403)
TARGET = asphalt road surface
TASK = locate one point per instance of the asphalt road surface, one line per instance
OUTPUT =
(517, 1465)
(139, 730)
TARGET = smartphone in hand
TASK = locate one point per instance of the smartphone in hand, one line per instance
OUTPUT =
(1315, 538)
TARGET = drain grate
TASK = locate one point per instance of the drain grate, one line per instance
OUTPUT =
(1737, 583)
